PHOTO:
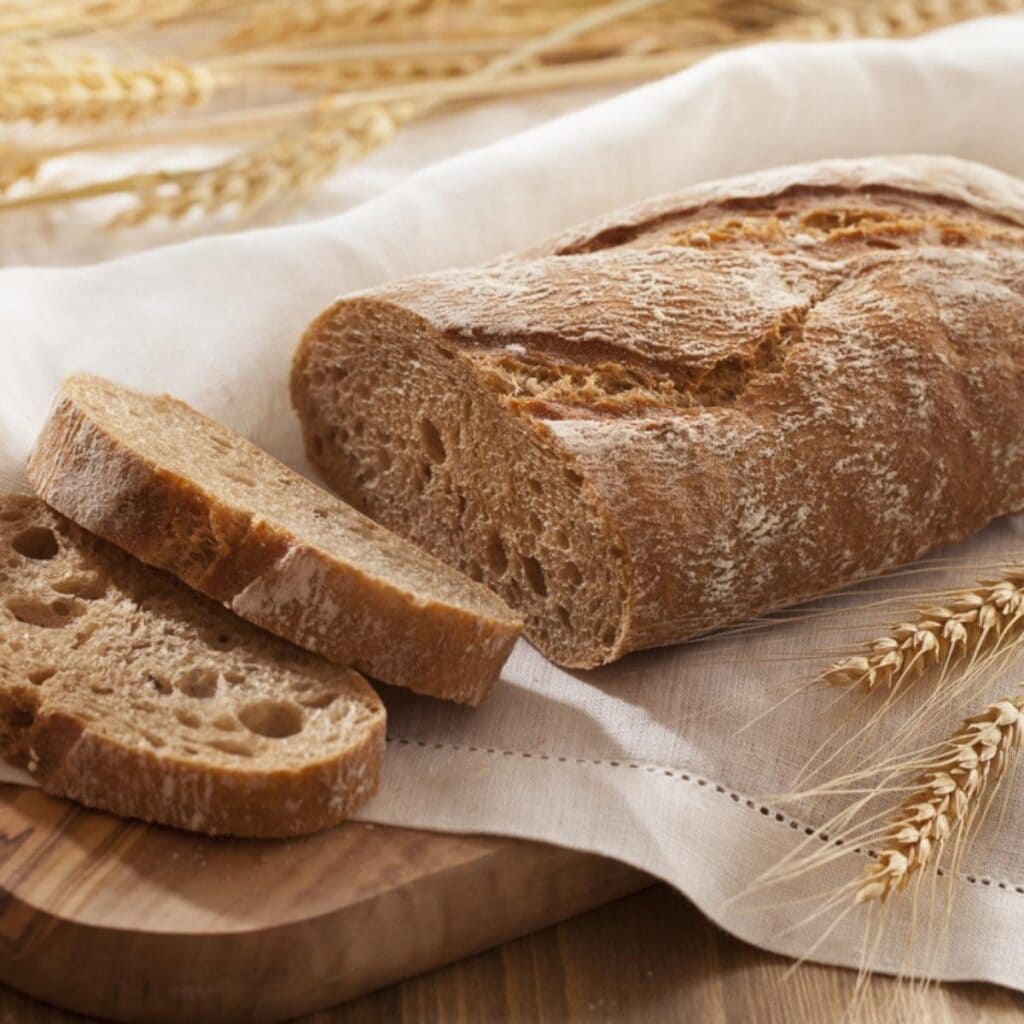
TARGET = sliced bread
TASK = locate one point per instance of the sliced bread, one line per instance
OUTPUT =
(122, 689)
(184, 493)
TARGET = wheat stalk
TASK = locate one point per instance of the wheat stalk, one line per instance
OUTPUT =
(290, 164)
(951, 791)
(84, 89)
(985, 619)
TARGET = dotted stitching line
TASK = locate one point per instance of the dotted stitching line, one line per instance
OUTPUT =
(675, 773)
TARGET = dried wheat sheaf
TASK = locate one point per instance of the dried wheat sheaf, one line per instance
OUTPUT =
(89, 68)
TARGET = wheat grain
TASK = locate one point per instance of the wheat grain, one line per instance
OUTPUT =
(72, 17)
(289, 165)
(84, 89)
(302, 19)
(884, 19)
(951, 791)
(986, 619)
(335, 76)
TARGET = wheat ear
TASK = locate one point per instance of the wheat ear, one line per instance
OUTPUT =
(987, 618)
(951, 791)
(75, 17)
(884, 19)
(301, 19)
(290, 164)
(83, 89)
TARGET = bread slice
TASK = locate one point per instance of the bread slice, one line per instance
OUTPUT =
(184, 493)
(124, 690)
(688, 413)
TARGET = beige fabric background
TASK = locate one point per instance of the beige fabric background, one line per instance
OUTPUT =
(668, 759)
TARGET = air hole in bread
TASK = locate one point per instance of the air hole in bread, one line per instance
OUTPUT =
(19, 717)
(226, 723)
(536, 526)
(563, 616)
(495, 553)
(432, 443)
(223, 641)
(40, 675)
(34, 612)
(89, 586)
(535, 485)
(36, 542)
(321, 699)
(535, 576)
(100, 690)
(274, 719)
(560, 538)
(11, 515)
(571, 574)
(576, 479)
(200, 683)
(189, 719)
(83, 636)
(152, 739)
(231, 746)
(474, 570)
(245, 479)
(159, 683)
(383, 460)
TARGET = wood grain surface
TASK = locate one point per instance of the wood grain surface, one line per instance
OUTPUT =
(650, 958)
(135, 922)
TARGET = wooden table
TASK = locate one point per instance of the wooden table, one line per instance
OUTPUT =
(646, 959)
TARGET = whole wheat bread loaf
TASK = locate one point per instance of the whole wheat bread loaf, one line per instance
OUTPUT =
(184, 493)
(124, 690)
(707, 406)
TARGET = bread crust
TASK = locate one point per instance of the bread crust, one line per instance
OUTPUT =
(817, 376)
(261, 569)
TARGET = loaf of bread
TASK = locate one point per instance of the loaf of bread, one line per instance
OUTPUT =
(126, 691)
(182, 492)
(710, 405)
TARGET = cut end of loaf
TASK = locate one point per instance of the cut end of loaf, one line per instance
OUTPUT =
(122, 689)
(404, 426)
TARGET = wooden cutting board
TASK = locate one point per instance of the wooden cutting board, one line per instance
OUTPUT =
(139, 923)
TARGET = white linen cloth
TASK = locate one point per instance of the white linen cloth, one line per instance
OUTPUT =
(647, 760)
